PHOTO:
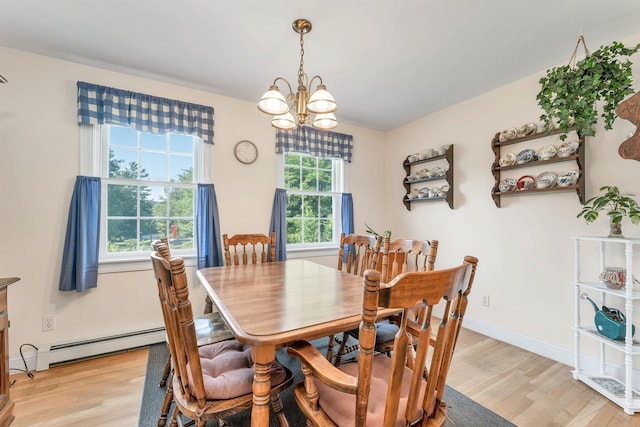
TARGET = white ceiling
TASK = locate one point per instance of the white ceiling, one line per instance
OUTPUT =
(386, 62)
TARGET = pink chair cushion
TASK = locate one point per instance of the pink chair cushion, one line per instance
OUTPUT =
(340, 406)
(227, 370)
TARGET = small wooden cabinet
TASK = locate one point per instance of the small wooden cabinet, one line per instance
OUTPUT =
(497, 170)
(6, 404)
(448, 177)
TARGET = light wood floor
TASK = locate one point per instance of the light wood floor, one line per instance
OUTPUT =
(526, 389)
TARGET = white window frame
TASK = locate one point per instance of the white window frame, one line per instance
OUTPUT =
(94, 155)
(340, 180)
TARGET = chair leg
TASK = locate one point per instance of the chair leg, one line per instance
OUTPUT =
(276, 403)
(166, 405)
(344, 349)
(174, 417)
(165, 372)
(330, 347)
(208, 305)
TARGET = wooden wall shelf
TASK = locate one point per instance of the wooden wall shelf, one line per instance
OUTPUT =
(497, 170)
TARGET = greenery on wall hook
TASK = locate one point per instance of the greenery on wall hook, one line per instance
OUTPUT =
(568, 94)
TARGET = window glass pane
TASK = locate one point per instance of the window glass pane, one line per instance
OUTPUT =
(152, 141)
(153, 201)
(181, 202)
(294, 231)
(309, 179)
(325, 163)
(123, 136)
(179, 143)
(122, 200)
(326, 206)
(311, 231)
(309, 161)
(292, 159)
(181, 168)
(123, 163)
(181, 236)
(310, 208)
(154, 166)
(326, 230)
(150, 230)
(292, 178)
(324, 180)
(121, 235)
(294, 206)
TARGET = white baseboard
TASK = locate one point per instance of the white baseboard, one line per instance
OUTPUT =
(550, 351)
(50, 355)
(542, 348)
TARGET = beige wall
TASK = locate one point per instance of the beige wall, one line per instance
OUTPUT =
(525, 250)
(39, 141)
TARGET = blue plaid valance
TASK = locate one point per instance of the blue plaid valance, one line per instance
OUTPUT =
(317, 143)
(144, 113)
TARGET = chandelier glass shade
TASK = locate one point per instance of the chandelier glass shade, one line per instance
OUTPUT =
(291, 110)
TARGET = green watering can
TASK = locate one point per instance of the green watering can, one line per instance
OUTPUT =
(610, 322)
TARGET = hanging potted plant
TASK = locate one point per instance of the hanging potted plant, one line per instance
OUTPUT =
(616, 205)
(568, 94)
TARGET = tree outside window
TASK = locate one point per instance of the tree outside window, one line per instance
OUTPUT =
(150, 190)
(311, 199)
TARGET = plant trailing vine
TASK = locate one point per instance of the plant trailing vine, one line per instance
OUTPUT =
(568, 93)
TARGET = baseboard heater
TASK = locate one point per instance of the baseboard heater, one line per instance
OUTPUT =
(58, 354)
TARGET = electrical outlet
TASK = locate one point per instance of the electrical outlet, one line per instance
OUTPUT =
(48, 323)
(485, 300)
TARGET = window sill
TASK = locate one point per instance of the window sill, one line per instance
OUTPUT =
(135, 264)
(312, 252)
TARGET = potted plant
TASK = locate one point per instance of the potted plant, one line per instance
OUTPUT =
(568, 94)
(616, 205)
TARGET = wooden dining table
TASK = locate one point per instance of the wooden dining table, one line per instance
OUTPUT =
(272, 304)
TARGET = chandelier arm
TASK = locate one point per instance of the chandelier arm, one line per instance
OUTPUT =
(312, 79)
(284, 80)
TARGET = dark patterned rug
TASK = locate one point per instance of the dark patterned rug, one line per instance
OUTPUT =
(462, 411)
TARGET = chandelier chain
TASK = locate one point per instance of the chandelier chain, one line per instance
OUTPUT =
(300, 70)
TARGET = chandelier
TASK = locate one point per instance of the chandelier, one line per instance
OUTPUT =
(321, 103)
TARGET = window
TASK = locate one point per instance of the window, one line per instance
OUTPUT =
(149, 187)
(314, 186)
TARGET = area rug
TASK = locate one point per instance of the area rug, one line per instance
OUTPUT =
(462, 411)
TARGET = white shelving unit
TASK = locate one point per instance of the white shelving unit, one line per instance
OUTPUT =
(608, 381)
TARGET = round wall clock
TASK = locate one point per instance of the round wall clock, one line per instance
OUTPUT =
(246, 152)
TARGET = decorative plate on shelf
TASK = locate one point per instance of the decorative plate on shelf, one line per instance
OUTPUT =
(547, 152)
(525, 156)
(507, 184)
(525, 182)
(568, 148)
(507, 160)
(546, 180)
(527, 129)
(422, 173)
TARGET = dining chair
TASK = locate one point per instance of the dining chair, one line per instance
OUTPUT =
(212, 381)
(378, 390)
(357, 253)
(404, 255)
(242, 249)
(210, 328)
(397, 257)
